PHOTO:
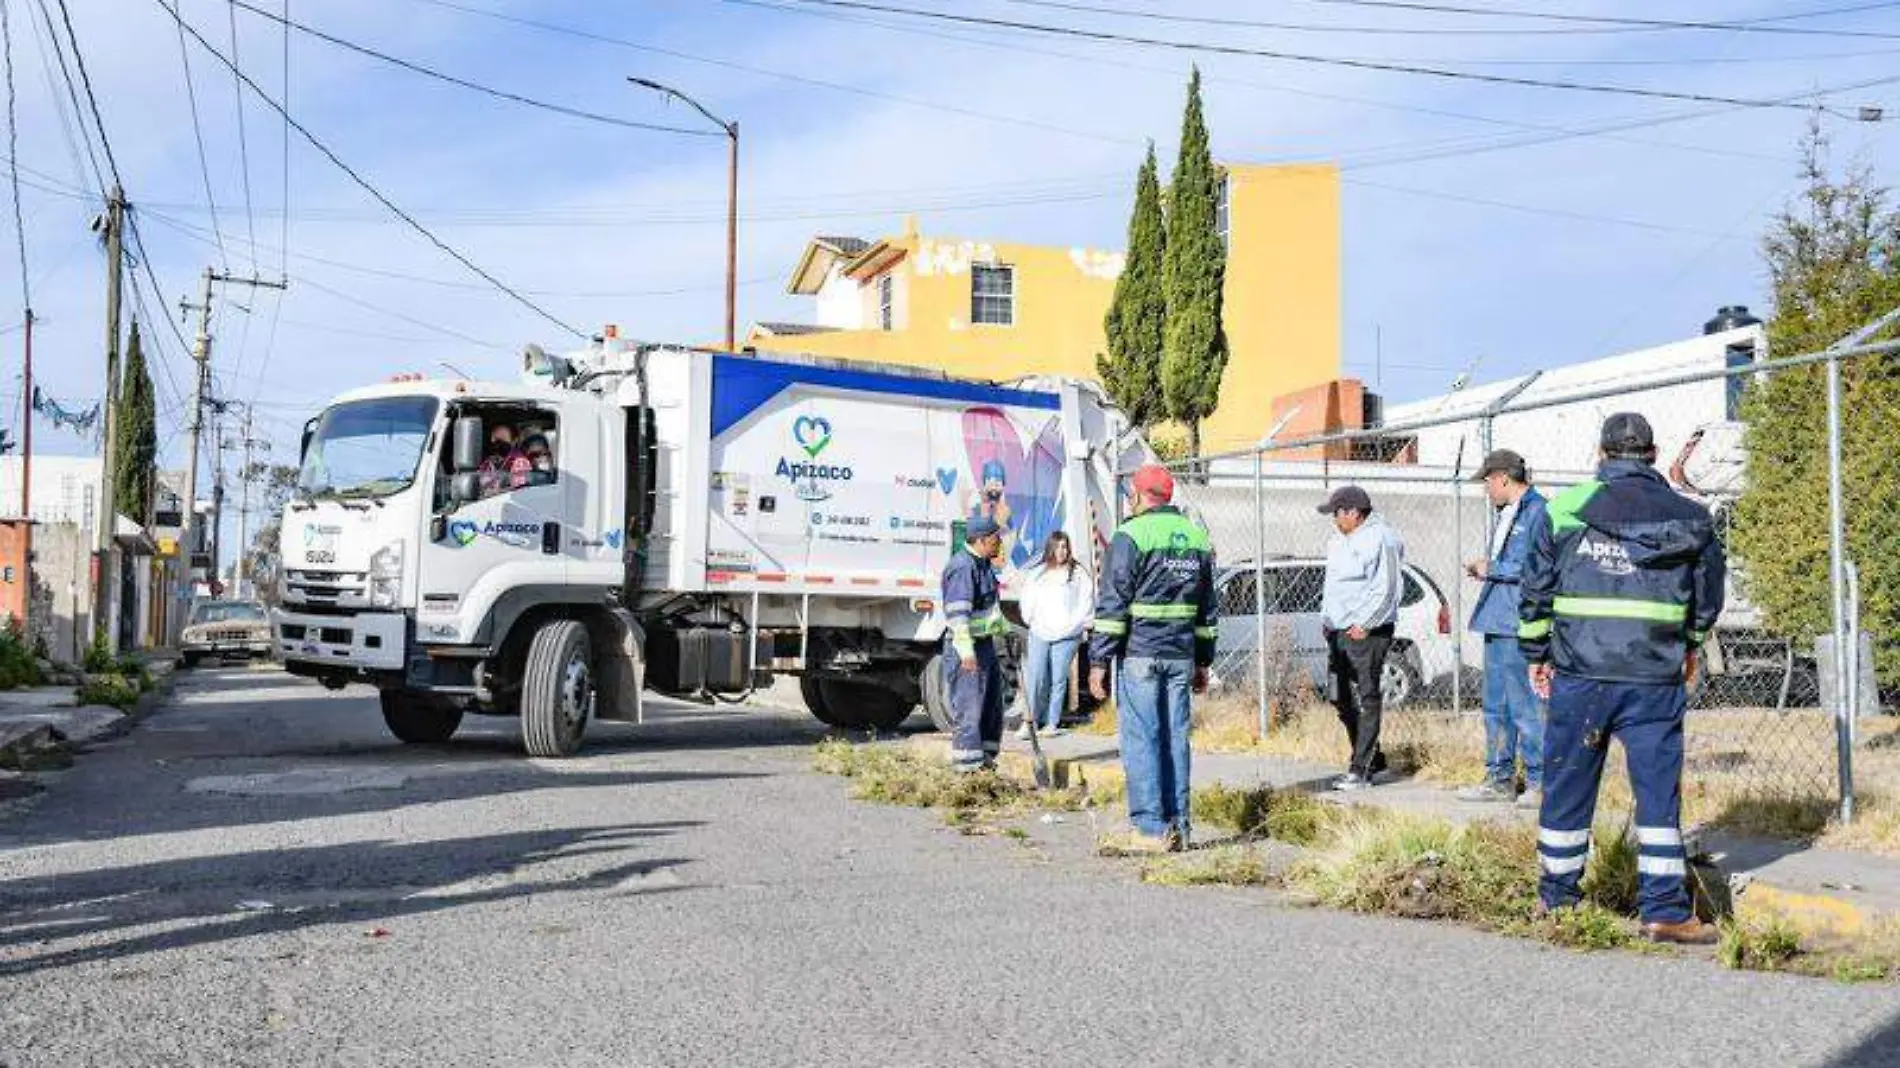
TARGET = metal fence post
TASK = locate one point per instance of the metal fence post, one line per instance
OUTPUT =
(1457, 584)
(1259, 587)
(1844, 685)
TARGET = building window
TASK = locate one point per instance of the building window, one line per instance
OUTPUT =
(993, 295)
(885, 317)
(1223, 193)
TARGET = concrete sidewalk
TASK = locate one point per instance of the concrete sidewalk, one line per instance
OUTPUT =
(40, 720)
(1825, 889)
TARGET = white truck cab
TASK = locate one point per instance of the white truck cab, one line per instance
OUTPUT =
(636, 516)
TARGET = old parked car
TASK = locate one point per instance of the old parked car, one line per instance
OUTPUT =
(225, 629)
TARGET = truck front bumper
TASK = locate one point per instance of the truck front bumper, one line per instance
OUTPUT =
(364, 641)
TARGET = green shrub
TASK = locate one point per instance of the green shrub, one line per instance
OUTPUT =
(17, 665)
(98, 658)
(115, 690)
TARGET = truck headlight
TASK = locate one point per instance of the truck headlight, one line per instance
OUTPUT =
(385, 576)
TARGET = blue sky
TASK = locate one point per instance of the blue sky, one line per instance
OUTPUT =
(1498, 226)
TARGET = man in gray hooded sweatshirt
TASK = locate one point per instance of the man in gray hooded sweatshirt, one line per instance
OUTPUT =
(1359, 608)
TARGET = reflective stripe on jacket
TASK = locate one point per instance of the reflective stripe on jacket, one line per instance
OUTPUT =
(971, 606)
(1623, 579)
(1157, 593)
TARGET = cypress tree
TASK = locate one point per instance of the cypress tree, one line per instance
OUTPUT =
(1194, 349)
(1131, 369)
(136, 431)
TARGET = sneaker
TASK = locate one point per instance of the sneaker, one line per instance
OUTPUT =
(1351, 781)
(1488, 792)
(1022, 733)
(1134, 843)
(1531, 800)
(1053, 732)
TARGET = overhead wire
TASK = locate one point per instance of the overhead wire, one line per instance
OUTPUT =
(72, 94)
(283, 242)
(13, 153)
(1636, 23)
(366, 185)
(244, 171)
(92, 98)
(1213, 48)
(198, 135)
(500, 94)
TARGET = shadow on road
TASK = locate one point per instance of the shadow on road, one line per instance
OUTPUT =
(1880, 1049)
(197, 899)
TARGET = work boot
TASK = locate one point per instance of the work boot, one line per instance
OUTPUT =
(1351, 781)
(1488, 791)
(1690, 932)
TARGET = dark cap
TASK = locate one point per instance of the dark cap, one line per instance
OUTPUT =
(980, 526)
(1627, 434)
(1503, 461)
(1347, 497)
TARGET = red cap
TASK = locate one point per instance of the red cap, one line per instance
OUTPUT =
(1153, 482)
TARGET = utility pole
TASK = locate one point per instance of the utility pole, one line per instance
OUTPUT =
(731, 130)
(251, 444)
(201, 390)
(106, 509)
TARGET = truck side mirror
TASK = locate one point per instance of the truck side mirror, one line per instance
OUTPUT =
(467, 443)
(465, 486)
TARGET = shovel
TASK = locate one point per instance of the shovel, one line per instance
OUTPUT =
(1043, 779)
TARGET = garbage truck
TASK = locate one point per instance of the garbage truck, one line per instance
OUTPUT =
(636, 517)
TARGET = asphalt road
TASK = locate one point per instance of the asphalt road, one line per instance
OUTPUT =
(258, 875)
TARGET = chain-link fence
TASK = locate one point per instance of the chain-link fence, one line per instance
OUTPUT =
(1766, 720)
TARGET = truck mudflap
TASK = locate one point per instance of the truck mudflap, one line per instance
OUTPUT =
(368, 641)
(619, 665)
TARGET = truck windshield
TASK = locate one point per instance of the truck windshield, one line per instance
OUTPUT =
(367, 448)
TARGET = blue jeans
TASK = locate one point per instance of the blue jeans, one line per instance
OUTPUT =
(1513, 716)
(1048, 678)
(1152, 708)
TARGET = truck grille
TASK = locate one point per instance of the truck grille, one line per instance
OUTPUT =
(232, 634)
(331, 635)
(325, 587)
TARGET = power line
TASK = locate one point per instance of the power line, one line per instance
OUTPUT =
(244, 146)
(72, 94)
(283, 246)
(500, 94)
(1610, 25)
(365, 184)
(144, 259)
(1080, 33)
(204, 163)
(1756, 25)
(92, 99)
(13, 153)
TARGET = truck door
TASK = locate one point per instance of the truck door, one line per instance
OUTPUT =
(510, 539)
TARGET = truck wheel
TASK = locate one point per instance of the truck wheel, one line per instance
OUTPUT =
(418, 718)
(1400, 684)
(863, 706)
(557, 689)
(813, 691)
(936, 697)
(188, 660)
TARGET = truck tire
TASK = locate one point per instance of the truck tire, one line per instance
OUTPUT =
(812, 690)
(188, 660)
(936, 697)
(863, 706)
(557, 689)
(1401, 684)
(418, 718)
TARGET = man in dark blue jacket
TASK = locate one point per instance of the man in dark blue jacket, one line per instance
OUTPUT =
(1624, 583)
(973, 676)
(1156, 619)
(1513, 715)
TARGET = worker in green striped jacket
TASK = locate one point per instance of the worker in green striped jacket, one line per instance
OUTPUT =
(1623, 583)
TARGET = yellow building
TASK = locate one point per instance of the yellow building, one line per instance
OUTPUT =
(991, 309)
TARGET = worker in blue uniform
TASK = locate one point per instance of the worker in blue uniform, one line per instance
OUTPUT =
(973, 675)
(1623, 583)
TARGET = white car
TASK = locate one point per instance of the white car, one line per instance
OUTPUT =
(1422, 657)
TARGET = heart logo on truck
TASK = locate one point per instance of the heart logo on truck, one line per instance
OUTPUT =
(464, 531)
(812, 433)
(946, 479)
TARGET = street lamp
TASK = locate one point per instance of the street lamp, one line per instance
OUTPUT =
(731, 130)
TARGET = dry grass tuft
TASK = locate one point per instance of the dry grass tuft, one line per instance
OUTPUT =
(894, 775)
(1231, 865)
(1406, 865)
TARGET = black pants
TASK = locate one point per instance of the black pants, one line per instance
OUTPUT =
(1357, 667)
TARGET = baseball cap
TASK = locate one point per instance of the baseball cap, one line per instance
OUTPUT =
(1154, 482)
(1346, 497)
(1507, 461)
(980, 526)
(1626, 433)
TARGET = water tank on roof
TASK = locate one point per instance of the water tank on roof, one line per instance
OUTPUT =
(1730, 317)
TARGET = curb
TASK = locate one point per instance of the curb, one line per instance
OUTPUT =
(42, 746)
(1811, 912)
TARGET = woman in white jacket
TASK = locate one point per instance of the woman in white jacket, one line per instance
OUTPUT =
(1057, 604)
